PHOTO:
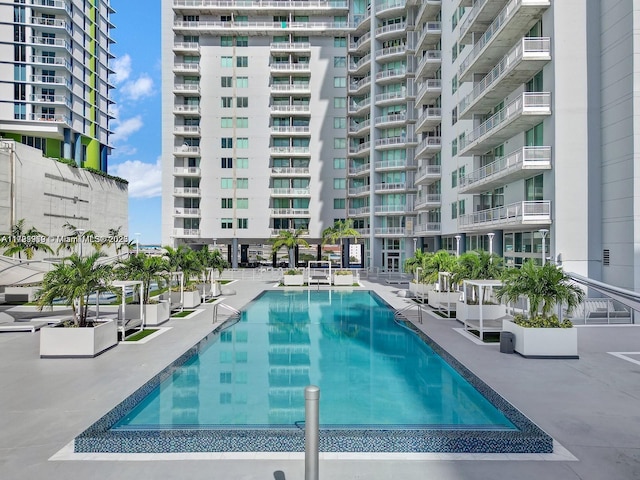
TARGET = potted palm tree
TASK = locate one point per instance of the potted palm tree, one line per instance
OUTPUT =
(149, 270)
(210, 262)
(341, 229)
(437, 271)
(541, 333)
(72, 281)
(184, 260)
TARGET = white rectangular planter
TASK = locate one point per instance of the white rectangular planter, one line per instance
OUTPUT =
(293, 280)
(157, 313)
(190, 299)
(86, 342)
(442, 299)
(343, 280)
(464, 311)
(543, 342)
(20, 294)
(422, 289)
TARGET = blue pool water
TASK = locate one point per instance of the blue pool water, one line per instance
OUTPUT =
(371, 371)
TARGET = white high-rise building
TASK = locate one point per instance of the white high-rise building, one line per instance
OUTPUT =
(465, 125)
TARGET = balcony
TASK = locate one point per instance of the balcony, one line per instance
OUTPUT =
(391, 120)
(186, 151)
(427, 228)
(514, 21)
(520, 164)
(186, 192)
(359, 127)
(362, 42)
(394, 187)
(428, 201)
(288, 130)
(429, 91)
(361, 66)
(51, 99)
(429, 118)
(360, 191)
(294, 151)
(428, 146)
(186, 109)
(250, 6)
(530, 214)
(479, 18)
(49, 42)
(186, 171)
(290, 47)
(428, 10)
(188, 68)
(46, 61)
(388, 31)
(186, 212)
(189, 130)
(290, 67)
(186, 47)
(394, 142)
(388, 210)
(390, 7)
(290, 192)
(277, 231)
(290, 172)
(429, 35)
(391, 53)
(49, 118)
(387, 76)
(358, 107)
(186, 233)
(290, 109)
(186, 89)
(51, 80)
(291, 88)
(290, 212)
(519, 65)
(389, 165)
(390, 98)
(360, 212)
(253, 28)
(360, 147)
(430, 62)
(54, 5)
(359, 170)
(526, 111)
(428, 174)
(53, 23)
(390, 231)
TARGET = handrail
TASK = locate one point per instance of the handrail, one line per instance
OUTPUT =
(401, 313)
(235, 313)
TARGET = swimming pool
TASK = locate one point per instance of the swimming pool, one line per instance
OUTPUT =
(383, 388)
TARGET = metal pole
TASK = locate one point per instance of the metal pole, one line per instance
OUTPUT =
(311, 431)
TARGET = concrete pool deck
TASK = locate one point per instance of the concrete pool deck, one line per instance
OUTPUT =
(591, 406)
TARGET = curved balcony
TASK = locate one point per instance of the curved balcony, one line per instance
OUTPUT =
(388, 31)
(526, 111)
(388, 76)
(361, 66)
(359, 170)
(391, 53)
(391, 98)
(391, 120)
(361, 147)
(356, 128)
(362, 44)
(361, 22)
(389, 165)
(513, 21)
(429, 118)
(394, 142)
(429, 91)
(186, 212)
(530, 214)
(389, 8)
(359, 107)
(188, 130)
(522, 163)
(428, 174)
(186, 171)
(519, 65)
(186, 192)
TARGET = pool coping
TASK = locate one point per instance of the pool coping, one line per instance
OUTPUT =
(529, 438)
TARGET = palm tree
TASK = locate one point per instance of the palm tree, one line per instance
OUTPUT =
(477, 265)
(290, 240)
(145, 268)
(22, 240)
(183, 259)
(544, 287)
(76, 236)
(420, 260)
(341, 229)
(73, 280)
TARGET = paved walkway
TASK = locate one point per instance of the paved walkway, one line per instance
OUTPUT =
(591, 406)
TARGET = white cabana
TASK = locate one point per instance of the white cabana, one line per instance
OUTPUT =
(478, 309)
(125, 323)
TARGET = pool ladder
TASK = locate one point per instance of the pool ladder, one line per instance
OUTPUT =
(235, 313)
(400, 314)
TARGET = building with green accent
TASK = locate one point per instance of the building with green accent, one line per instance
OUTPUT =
(54, 77)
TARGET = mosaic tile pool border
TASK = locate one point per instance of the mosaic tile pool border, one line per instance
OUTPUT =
(529, 438)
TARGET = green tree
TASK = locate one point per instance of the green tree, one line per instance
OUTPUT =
(430, 264)
(24, 241)
(183, 259)
(477, 265)
(73, 280)
(544, 286)
(74, 237)
(290, 239)
(144, 268)
(341, 229)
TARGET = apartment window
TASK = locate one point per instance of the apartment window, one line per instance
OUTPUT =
(242, 183)
(226, 122)
(242, 41)
(339, 183)
(461, 207)
(454, 52)
(241, 18)
(339, 203)
(242, 82)
(225, 377)
(534, 137)
(454, 147)
(242, 142)
(242, 203)
(243, 223)
(226, 62)
(454, 210)
(242, 163)
(534, 188)
(225, 18)
(242, 122)
(535, 84)
(339, 163)
(226, 142)
(340, 102)
(454, 179)
(340, 123)
(226, 102)
(226, 203)
(339, 143)
(226, 41)
(340, 42)
(226, 223)
(226, 162)
(339, 82)
(226, 183)
(454, 116)
(339, 62)
(242, 62)
(454, 84)
(242, 102)
(226, 82)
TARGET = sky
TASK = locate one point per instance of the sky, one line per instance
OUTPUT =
(137, 111)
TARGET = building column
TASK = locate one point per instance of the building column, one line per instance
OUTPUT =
(66, 144)
(234, 253)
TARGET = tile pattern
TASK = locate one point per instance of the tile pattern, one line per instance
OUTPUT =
(527, 439)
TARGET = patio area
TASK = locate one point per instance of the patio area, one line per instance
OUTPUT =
(589, 406)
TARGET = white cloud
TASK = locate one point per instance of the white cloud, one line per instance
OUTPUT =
(139, 88)
(122, 69)
(145, 179)
(123, 129)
